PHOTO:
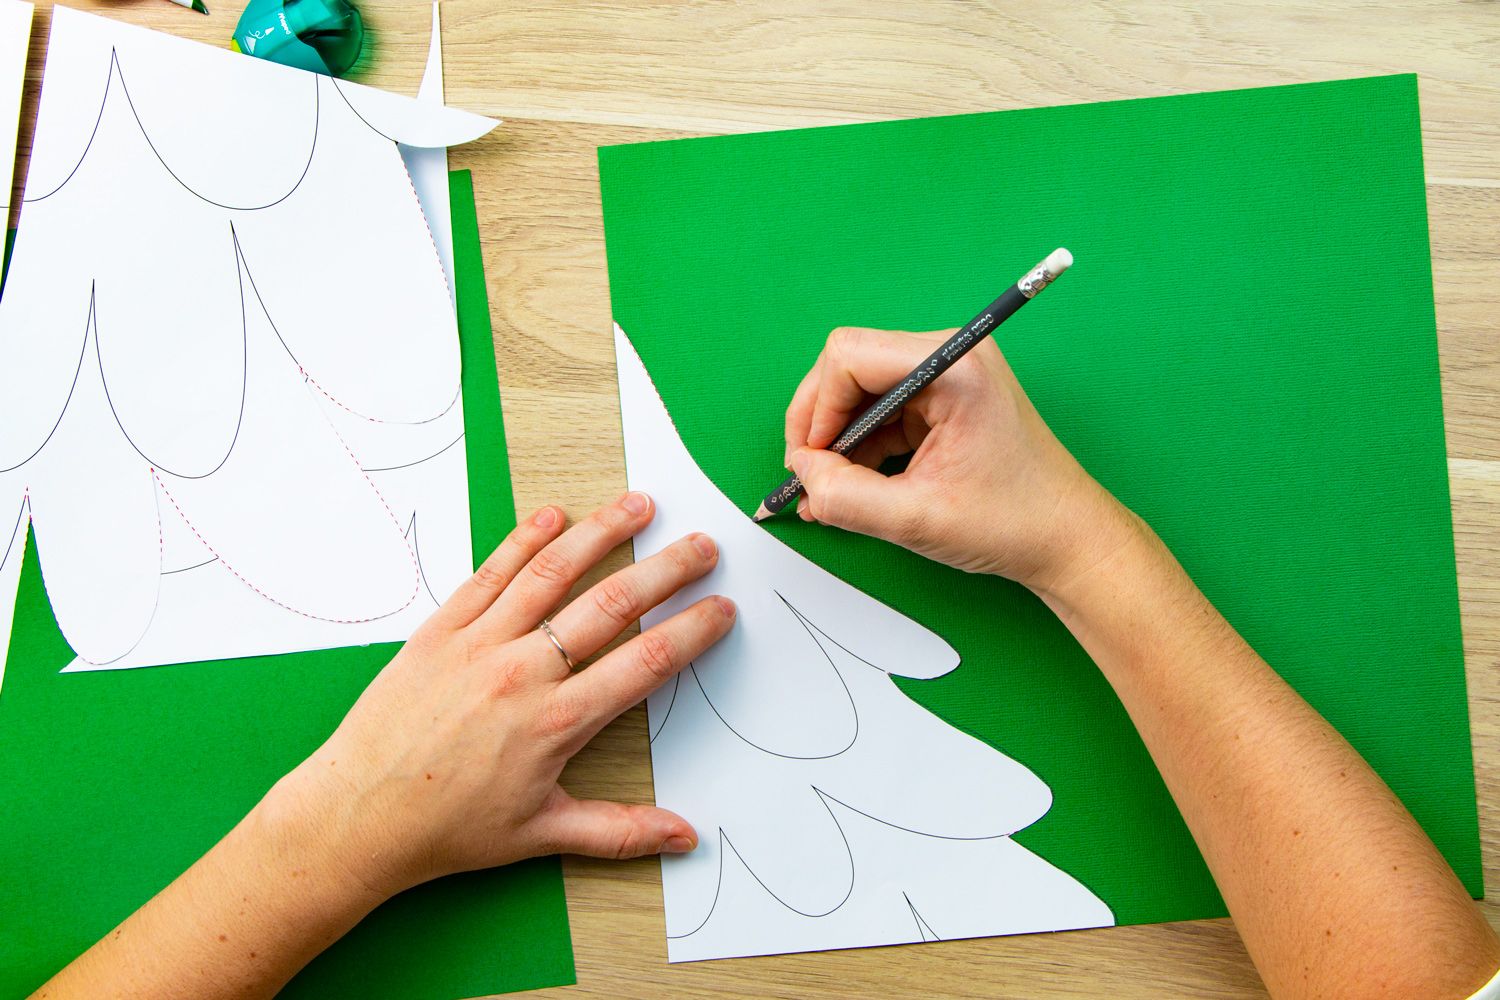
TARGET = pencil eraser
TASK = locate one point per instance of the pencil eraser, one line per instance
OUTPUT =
(1058, 261)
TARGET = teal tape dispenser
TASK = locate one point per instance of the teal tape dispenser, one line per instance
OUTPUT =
(324, 36)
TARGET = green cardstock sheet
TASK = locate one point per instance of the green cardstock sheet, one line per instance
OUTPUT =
(114, 782)
(1244, 352)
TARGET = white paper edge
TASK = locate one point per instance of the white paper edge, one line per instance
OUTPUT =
(429, 166)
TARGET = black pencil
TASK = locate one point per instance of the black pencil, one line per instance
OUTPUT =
(939, 361)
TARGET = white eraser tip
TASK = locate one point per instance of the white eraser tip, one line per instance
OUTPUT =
(1058, 261)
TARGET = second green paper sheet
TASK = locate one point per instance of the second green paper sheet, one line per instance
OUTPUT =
(1245, 353)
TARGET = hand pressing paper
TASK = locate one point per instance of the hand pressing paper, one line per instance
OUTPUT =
(833, 811)
(229, 394)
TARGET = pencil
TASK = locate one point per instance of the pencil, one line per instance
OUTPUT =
(971, 333)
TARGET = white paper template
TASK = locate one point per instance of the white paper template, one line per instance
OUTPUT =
(832, 811)
(428, 166)
(15, 37)
(230, 398)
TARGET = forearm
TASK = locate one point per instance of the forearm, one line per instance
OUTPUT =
(239, 923)
(1332, 884)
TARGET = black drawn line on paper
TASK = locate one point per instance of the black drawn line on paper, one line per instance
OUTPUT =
(239, 421)
(116, 70)
(340, 91)
(109, 75)
(847, 694)
(676, 682)
(184, 569)
(809, 624)
(25, 509)
(21, 513)
(751, 743)
(825, 798)
(161, 547)
(907, 829)
(725, 841)
(847, 850)
(311, 380)
(718, 888)
(921, 931)
(417, 574)
(408, 465)
(88, 325)
(282, 604)
(406, 170)
(923, 927)
(416, 546)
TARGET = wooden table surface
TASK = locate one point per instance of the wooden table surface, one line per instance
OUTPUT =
(570, 76)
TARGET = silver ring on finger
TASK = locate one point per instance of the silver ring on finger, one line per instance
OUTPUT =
(546, 628)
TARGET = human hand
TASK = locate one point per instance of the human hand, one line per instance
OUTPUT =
(988, 489)
(449, 761)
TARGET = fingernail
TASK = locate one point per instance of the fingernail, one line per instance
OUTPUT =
(705, 546)
(793, 460)
(725, 605)
(676, 845)
(636, 503)
(802, 510)
(546, 518)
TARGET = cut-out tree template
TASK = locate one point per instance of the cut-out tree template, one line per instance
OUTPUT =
(230, 399)
(833, 811)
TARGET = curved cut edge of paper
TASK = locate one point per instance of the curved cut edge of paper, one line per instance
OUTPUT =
(412, 122)
(833, 810)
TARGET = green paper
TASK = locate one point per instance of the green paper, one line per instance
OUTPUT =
(114, 782)
(1245, 352)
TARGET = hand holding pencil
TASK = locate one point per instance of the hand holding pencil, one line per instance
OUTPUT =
(989, 488)
(965, 338)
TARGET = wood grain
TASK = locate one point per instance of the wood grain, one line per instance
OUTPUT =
(569, 77)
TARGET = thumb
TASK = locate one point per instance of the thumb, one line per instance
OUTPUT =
(847, 495)
(603, 829)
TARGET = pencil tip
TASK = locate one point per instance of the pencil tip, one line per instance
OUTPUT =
(761, 514)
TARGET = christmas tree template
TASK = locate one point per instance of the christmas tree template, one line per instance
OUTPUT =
(833, 811)
(229, 395)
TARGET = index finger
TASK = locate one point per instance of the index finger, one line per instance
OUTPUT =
(542, 583)
(479, 591)
(799, 411)
(859, 363)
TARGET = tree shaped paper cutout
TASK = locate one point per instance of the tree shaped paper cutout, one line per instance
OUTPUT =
(833, 811)
(231, 375)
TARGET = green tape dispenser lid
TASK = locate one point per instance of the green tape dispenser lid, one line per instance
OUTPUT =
(324, 36)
